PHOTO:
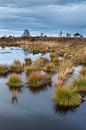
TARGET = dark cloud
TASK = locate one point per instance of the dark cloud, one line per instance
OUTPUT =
(42, 16)
(39, 2)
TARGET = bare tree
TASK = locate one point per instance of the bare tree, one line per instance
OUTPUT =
(68, 35)
(26, 33)
(41, 34)
(60, 33)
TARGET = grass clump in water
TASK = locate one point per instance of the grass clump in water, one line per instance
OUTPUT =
(16, 67)
(79, 84)
(3, 70)
(41, 62)
(28, 61)
(54, 58)
(14, 81)
(50, 67)
(29, 69)
(80, 57)
(66, 97)
(36, 79)
(65, 69)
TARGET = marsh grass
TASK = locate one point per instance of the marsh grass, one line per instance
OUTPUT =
(66, 97)
(14, 81)
(83, 71)
(41, 62)
(36, 80)
(16, 67)
(79, 84)
(50, 67)
(65, 69)
(80, 57)
(28, 61)
(54, 58)
(17, 62)
(29, 69)
(4, 70)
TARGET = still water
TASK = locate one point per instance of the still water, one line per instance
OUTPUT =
(9, 54)
(34, 110)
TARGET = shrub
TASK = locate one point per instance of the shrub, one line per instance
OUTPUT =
(3, 70)
(14, 81)
(66, 97)
(36, 79)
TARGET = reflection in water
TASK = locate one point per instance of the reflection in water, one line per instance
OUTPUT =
(39, 89)
(64, 111)
(16, 53)
(34, 112)
(25, 52)
(14, 94)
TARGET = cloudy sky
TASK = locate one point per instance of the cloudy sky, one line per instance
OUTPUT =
(48, 16)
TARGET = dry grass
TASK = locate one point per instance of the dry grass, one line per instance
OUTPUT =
(14, 81)
(66, 97)
(65, 69)
(36, 79)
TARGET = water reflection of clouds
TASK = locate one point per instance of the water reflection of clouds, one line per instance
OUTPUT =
(14, 53)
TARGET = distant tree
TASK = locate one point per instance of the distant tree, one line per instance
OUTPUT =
(45, 36)
(10, 36)
(26, 33)
(4, 37)
(41, 34)
(60, 33)
(68, 35)
(77, 35)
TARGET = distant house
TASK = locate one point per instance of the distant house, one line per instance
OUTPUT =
(77, 35)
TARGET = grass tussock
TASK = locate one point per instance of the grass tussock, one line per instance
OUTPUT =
(65, 69)
(28, 61)
(80, 57)
(14, 81)
(83, 71)
(65, 97)
(79, 84)
(3, 70)
(41, 62)
(16, 67)
(50, 67)
(29, 69)
(54, 58)
(36, 79)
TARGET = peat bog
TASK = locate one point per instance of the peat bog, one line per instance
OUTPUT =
(32, 106)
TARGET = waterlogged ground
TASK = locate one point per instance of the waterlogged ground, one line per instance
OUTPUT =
(9, 54)
(35, 110)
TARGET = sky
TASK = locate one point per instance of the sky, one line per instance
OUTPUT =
(47, 16)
